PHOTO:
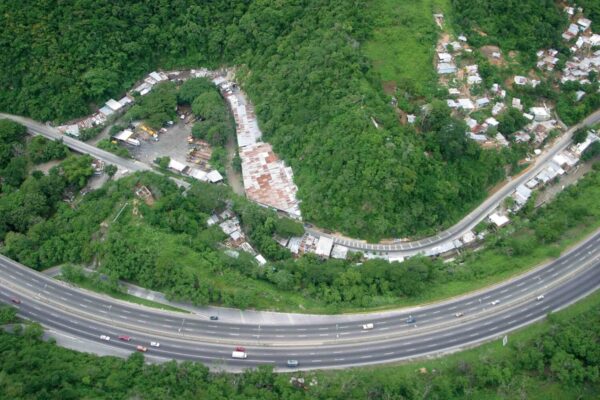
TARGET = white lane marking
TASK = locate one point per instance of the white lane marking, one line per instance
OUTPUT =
(436, 312)
(554, 275)
(301, 335)
(503, 291)
(141, 321)
(469, 303)
(486, 297)
(385, 328)
(323, 334)
(69, 294)
(367, 356)
(512, 322)
(28, 284)
(389, 353)
(83, 305)
(166, 326)
(452, 308)
(127, 312)
(472, 335)
(545, 308)
(520, 284)
(322, 329)
(233, 334)
(524, 290)
(382, 322)
(316, 361)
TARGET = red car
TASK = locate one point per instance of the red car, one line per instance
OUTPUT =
(125, 338)
(240, 348)
(15, 300)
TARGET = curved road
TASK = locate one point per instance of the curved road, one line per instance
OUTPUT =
(394, 248)
(338, 343)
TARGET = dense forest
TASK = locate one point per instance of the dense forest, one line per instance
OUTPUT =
(559, 359)
(523, 25)
(301, 62)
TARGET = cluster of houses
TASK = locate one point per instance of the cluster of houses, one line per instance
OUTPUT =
(560, 164)
(267, 180)
(230, 225)
(584, 48)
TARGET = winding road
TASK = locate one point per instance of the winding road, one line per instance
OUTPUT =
(396, 248)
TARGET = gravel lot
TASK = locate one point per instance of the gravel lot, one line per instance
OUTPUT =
(173, 143)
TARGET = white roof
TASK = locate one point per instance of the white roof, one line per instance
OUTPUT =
(214, 176)
(324, 246)
(176, 165)
(483, 101)
(499, 220)
(158, 76)
(106, 111)
(520, 80)
(584, 23)
(468, 237)
(454, 91)
(198, 174)
(445, 57)
(114, 105)
(491, 121)
(339, 252)
(446, 68)
(124, 135)
(261, 260)
(466, 104)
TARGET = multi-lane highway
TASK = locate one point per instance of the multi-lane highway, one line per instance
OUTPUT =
(340, 342)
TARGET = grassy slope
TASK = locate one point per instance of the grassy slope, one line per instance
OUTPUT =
(402, 45)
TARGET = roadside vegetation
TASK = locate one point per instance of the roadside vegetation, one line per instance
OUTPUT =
(97, 282)
(557, 359)
(165, 244)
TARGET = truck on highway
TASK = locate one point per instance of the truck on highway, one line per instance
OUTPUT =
(239, 354)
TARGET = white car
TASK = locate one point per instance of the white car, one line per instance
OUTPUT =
(154, 344)
(458, 314)
(366, 327)
(495, 302)
(540, 297)
(104, 337)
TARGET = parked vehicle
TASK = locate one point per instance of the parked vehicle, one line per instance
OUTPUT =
(292, 363)
(368, 326)
(239, 354)
(104, 337)
(142, 349)
(125, 338)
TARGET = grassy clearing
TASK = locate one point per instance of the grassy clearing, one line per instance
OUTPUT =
(89, 284)
(403, 43)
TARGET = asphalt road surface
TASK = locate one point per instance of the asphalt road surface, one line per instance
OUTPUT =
(341, 342)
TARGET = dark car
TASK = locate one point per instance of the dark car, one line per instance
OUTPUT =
(411, 319)
(15, 300)
(214, 317)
